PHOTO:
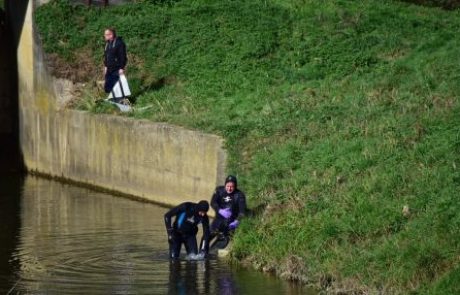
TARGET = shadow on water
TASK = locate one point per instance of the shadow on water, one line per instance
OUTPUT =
(11, 183)
(10, 189)
(62, 239)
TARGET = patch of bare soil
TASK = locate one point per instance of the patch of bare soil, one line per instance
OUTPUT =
(82, 70)
(74, 78)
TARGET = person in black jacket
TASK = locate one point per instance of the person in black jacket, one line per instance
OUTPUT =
(230, 205)
(114, 58)
(185, 227)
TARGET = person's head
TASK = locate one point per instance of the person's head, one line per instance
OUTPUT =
(109, 34)
(230, 184)
(202, 208)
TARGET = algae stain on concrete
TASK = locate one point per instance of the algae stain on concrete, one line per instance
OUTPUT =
(43, 101)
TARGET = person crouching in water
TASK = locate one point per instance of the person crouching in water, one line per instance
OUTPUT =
(230, 205)
(185, 228)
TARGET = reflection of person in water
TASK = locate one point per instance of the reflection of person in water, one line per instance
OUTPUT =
(189, 277)
(226, 285)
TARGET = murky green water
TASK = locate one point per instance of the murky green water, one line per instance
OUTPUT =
(61, 239)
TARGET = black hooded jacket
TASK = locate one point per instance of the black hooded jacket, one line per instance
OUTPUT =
(115, 55)
(187, 220)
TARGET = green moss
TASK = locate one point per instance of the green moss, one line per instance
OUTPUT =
(336, 114)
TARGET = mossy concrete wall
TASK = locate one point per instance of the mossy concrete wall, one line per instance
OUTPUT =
(154, 161)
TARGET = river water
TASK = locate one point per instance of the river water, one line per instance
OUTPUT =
(61, 239)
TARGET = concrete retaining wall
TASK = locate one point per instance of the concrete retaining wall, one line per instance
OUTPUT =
(158, 162)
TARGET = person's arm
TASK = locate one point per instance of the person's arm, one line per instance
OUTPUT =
(206, 235)
(122, 55)
(241, 210)
(173, 212)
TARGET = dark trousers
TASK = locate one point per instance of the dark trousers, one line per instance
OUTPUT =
(220, 225)
(176, 242)
(220, 234)
(110, 80)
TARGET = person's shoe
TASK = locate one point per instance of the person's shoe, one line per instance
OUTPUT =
(125, 102)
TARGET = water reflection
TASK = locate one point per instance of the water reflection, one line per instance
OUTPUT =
(73, 240)
(189, 277)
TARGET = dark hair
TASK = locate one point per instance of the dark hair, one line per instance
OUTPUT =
(231, 178)
(112, 29)
(202, 206)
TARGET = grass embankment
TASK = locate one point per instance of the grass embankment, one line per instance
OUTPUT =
(337, 114)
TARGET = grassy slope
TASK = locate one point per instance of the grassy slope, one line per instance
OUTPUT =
(336, 113)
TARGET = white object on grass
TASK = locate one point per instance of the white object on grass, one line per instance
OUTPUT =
(123, 107)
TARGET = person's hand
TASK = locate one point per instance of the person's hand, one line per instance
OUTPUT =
(121, 72)
(105, 70)
(170, 234)
(225, 213)
(234, 224)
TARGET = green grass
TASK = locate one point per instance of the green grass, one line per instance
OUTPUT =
(336, 114)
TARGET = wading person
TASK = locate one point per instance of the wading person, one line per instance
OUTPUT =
(230, 205)
(185, 227)
(114, 59)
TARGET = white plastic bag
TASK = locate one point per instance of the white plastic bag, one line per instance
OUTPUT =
(121, 89)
